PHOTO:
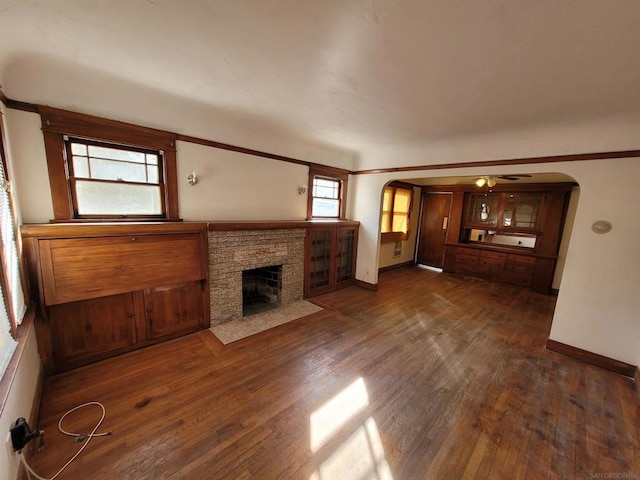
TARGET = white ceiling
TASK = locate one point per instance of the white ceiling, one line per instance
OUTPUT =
(327, 79)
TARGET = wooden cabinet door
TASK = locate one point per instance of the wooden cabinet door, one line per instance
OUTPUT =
(90, 330)
(345, 256)
(319, 268)
(173, 310)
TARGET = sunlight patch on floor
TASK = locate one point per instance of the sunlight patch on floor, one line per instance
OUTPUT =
(361, 455)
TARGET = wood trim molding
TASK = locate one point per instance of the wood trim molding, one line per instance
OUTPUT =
(580, 157)
(366, 285)
(34, 108)
(235, 148)
(70, 230)
(397, 266)
(601, 361)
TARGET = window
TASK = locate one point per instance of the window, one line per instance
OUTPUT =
(12, 302)
(108, 180)
(104, 169)
(396, 210)
(327, 193)
(326, 197)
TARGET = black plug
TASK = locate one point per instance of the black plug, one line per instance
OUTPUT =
(21, 434)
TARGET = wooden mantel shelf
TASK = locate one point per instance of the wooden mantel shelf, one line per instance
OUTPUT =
(57, 230)
(231, 226)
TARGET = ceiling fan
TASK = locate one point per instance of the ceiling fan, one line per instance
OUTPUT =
(490, 181)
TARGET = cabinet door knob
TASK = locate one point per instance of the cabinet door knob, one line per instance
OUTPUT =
(133, 239)
(149, 310)
(129, 314)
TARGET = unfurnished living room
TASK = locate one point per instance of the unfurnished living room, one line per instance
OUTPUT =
(319, 239)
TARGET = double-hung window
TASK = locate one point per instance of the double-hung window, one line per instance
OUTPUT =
(109, 180)
(327, 193)
(102, 169)
(396, 210)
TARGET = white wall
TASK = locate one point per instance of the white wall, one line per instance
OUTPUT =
(30, 178)
(598, 301)
(232, 186)
(235, 186)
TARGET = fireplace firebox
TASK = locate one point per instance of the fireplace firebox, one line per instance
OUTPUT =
(261, 289)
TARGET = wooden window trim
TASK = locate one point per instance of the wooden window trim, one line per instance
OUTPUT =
(56, 124)
(392, 237)
(330, 174)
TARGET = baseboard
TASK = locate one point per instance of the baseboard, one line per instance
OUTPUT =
(367, 286)
(397, 266)
(607, 363)
(554, 292)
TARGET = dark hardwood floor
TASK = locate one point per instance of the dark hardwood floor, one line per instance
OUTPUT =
(432, 376)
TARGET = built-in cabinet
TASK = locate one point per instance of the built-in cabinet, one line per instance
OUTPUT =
(510, 234)
(330, 256)
(103, 292)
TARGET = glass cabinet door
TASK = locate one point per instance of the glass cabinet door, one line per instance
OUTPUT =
(482, 209)
(320, 258)
(521, 210)
(345, 254)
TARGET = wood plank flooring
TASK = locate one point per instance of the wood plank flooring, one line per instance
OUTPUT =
(433, 376)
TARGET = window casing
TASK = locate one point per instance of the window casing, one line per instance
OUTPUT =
(396, 211)
(72, 187)
(12, 298)
(327, 193)
(109, 180)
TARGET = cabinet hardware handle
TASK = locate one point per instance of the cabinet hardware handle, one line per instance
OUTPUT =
(149, 310)
(129, 315)
(133, 239)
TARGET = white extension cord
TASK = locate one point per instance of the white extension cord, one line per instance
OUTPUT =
(80, 437)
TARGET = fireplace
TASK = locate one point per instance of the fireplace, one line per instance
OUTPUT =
(233, 252)
(261, 289)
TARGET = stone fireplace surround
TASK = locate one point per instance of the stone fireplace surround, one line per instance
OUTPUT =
(231, 252)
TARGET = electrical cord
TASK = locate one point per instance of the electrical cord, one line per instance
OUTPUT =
(79, 438)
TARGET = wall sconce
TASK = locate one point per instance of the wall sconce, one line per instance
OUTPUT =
(302, 190)
(192, 179)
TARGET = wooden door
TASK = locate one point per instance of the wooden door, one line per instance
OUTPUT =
(90, 330)
(173, 310)
(434, 225)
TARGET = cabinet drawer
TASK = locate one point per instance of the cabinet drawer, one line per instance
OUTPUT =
(493, 255)
(466, 259)
(82, 268)
(467, 251)
(491, 262)
(519, 267)
(521, 259)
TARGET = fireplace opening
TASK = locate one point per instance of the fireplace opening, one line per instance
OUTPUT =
(261, 289)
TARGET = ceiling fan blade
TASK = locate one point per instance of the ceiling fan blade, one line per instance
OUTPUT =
(514, 177)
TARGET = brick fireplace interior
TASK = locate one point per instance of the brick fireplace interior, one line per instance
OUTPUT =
(261, 289)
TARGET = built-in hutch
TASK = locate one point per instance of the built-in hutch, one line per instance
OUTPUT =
(108, 288)
(510, 233)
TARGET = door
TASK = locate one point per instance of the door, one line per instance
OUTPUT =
(345, 257)
(434, 225)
